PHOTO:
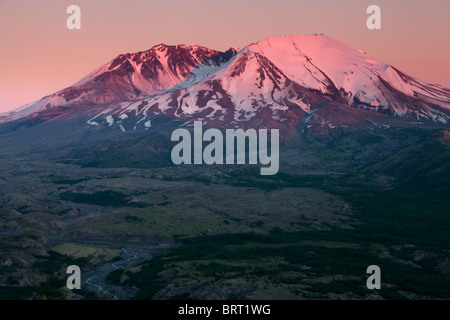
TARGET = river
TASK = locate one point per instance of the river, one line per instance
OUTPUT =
(133, 253)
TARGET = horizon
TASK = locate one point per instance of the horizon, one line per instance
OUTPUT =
(61, 57)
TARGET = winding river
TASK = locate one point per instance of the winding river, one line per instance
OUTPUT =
(133, 253)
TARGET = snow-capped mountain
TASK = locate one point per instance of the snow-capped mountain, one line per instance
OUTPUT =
(275, 83)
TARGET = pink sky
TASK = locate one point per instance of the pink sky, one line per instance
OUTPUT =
(40, 55)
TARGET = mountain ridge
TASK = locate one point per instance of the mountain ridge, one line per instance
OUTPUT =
(277, 82)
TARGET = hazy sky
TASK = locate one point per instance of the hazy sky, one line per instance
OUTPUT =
(39, 55)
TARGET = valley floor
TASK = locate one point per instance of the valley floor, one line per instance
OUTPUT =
(201, 233)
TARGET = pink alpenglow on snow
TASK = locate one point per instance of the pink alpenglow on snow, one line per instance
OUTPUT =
(274, 83)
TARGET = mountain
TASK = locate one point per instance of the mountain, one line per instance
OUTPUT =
(125, 78)
(364, 165)
(313, 82)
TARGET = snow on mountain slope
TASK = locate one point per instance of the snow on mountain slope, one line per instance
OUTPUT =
(246, 91)
(286, 77)
(154, 70)
(127, 77)
(325, 64)
(276, 82)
